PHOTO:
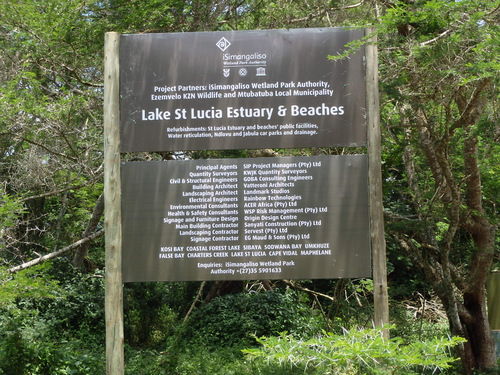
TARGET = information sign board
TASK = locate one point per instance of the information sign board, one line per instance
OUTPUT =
(244, 219)
(241, 90)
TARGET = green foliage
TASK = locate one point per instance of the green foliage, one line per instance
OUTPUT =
(363, 351)
(231, 319)
(28, 348)
(33, 307)
(78, 310)
(199, 360)
(29, 283)
(149, 317)
(10, 208)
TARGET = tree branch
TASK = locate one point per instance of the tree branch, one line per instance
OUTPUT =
(298, 287)
(49, 150)
(82, 250)
(198, 296)
(55, 192)
(57, 253)
(442, 35)
(325, 12)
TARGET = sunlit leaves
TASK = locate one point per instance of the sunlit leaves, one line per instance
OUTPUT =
(356, 351)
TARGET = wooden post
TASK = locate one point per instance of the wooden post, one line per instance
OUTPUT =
(112, 201)
(381, 300)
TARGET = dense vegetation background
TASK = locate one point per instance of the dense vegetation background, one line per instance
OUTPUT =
(439, 75)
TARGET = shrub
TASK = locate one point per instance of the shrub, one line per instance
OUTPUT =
(27, 347)
(231, 319)
(362, 351)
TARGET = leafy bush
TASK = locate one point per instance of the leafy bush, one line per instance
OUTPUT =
(231, 319)
(50, 326)
(28, 283)
(77, 309)
(28, 345)
(199, 360)
(148, 317)
(362, 351)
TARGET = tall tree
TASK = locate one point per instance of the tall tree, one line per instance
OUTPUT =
(439, 72)
(440, 78)
(50, 121)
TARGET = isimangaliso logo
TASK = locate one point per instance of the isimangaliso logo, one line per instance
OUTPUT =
(226, 72)
(223, 44)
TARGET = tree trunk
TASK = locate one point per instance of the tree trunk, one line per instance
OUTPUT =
(81, 252)
(475, 317)
(223, 287)
(461, 292)
(482, 344)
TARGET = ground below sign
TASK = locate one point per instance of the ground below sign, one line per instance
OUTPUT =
(266, 218)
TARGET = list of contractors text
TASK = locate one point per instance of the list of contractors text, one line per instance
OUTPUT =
(248, 217)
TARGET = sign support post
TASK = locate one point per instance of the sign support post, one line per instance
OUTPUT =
(381, 300)
(112, 201)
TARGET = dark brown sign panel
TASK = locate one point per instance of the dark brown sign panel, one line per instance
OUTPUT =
(241, 89)
(244, 219)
